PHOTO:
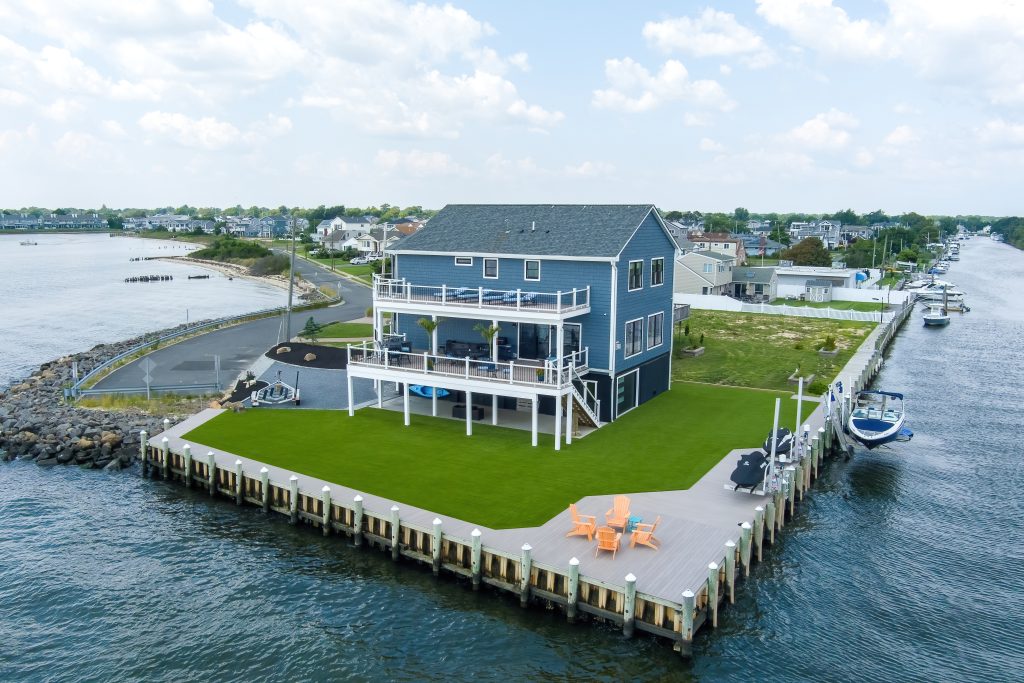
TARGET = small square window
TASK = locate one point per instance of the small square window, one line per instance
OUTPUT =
(531, 270)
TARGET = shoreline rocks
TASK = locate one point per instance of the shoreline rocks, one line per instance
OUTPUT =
(36, 423)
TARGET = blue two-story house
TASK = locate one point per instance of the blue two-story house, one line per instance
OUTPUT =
(562, 310)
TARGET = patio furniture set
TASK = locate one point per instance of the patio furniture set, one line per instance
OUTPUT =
(491, 296)
(617, 522)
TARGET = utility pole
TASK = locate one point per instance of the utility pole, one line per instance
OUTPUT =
(291, 282)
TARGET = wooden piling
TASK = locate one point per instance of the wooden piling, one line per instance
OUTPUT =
(211, 471)
(746, 535)
(239, 482)
(629, 608)
(730, 565)
(265, 488)
(186, 455)
(435, 547)
(357, 521)
(759, 519)
(165, 457)
(325, 522)
(789, 474)
(475, 559)
(798, 482)
(143, 448)
(395, 527)
(293, 499)
(574, 590)
(686, 623)
(526, 568)
(713, 593)
(771, 518)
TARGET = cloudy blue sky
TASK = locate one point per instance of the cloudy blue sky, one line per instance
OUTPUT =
(775, 105)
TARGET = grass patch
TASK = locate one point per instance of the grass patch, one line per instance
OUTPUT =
(865, 306)
(163, 404)
(495, 478)
(346, 330)
(753, 350)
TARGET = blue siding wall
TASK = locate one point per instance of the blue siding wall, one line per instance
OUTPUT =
(555, 275)
(650, 241)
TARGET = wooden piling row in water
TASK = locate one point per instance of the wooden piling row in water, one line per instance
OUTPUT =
(565, 588)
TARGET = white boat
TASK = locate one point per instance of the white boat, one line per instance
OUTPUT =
(937, 315)
(939, 292)
(877, 417)
(29, 243)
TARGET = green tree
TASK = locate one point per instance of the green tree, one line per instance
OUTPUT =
(312, 329)
(741, 214)
(808, 252)
(780, 235)
(673, 215)
(488, 332)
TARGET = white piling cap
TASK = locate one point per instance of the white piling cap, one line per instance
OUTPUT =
(730, 543)
(630, 578)
(187, 446)
(293, 478)
(264, 470)
(712, 565)
(687, 593)
(238, 463)
(574, 562)
(475, 533)
(209, 452)
(142, 431)
(167, 420)
(759, 508)
(326, 489)
(165, 439)
(745, 525)
(527, 546)
(437, 520)
(358, 499)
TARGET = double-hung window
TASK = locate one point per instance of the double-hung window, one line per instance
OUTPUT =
(491, 268)
(708, 268)
(636, 275)
(655, 329)
(657, 271)
(531, 270)
(634, 337)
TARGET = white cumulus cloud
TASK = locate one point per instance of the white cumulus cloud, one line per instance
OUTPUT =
(635, 89)
(710, 34)
(826, 131)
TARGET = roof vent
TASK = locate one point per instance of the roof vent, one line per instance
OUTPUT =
(533, 226)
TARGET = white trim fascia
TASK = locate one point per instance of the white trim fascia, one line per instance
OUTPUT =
(613, 323)
(480, 254)
(643, 342)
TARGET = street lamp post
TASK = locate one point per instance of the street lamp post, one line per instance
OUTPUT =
(291, 282)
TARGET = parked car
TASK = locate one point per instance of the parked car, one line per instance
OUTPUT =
(359, 261)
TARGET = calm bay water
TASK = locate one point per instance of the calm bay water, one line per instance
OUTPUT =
(903, 565)
(67, 294)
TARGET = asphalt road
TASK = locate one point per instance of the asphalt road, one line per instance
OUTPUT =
(191, 362)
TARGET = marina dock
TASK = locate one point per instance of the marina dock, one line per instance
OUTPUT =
(710, 537)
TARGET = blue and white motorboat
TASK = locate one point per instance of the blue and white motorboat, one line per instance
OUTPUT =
(877, 417)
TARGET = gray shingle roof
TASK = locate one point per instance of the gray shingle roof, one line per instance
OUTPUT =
(759, 276)
(715, 255)
(585, 230)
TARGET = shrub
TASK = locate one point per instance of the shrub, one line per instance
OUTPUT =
(686, 330)
(227, 247)
(817, 387)
(799, 346)
(269, 265)
(829, 344)
(702, 339)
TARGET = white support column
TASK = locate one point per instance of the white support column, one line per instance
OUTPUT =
(351, 399)
(433, 401)
(469, 413)
(405, 402)
(534, 403)
(433, 337)
(558, 423)
(494, 409)
(568, 419)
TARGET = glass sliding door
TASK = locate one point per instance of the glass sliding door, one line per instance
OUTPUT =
(626, 392)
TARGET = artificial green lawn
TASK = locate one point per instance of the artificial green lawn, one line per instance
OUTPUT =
(495, 478)
(754, 350)
(346, 330)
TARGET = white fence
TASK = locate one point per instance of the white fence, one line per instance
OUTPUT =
(894, 297)
(811, 312)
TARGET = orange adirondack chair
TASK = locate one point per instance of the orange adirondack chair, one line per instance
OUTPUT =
(619, 514)
(644, 535)
(582, 525)
(607, 539)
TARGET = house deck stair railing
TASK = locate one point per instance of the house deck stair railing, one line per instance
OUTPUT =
(577, 299)
(587, 402)
(529, 373)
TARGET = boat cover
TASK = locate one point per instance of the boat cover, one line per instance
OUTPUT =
(750, 470)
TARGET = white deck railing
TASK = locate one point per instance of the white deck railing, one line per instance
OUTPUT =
(529, 373)
(481, 297)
